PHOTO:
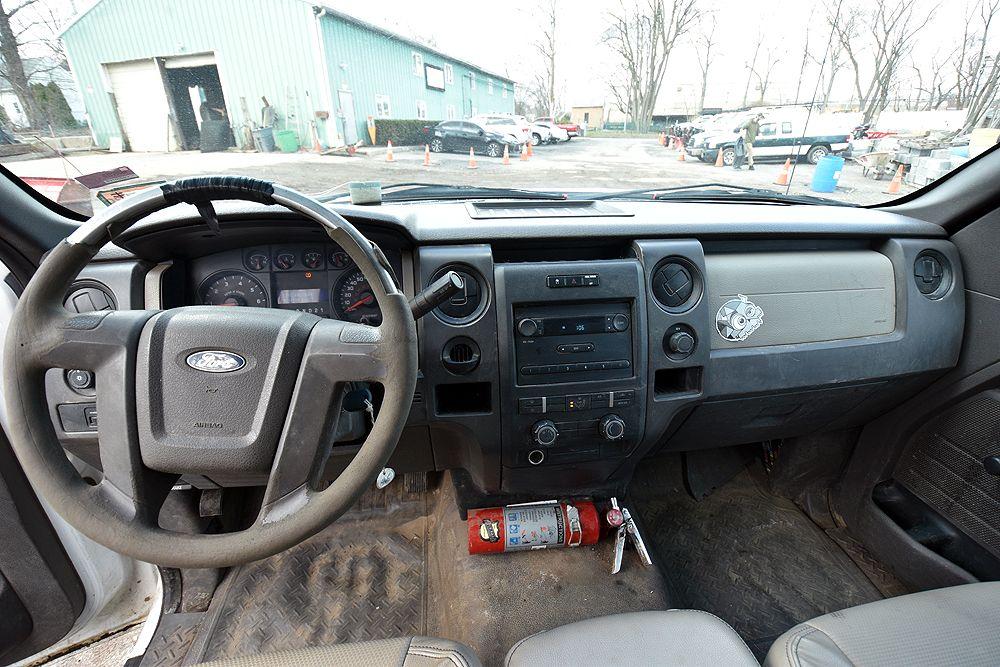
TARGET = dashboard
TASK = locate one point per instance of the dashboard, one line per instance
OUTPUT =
(588, 335)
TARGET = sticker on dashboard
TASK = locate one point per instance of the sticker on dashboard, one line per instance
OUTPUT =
(738, 318)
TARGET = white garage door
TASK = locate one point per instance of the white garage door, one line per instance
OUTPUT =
(142, 104)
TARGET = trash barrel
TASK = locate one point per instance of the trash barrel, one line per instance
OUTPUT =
(827, 174)
(263, 140)
(216, 136)
(286, 141)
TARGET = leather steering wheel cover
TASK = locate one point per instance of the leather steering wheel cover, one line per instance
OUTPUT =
(95, 512)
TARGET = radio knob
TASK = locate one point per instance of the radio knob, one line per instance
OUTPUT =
(619, 322)
(612, 427)
(544, 433)
(528, 327)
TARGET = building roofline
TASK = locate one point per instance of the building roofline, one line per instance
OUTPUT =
(344, 17)
(406, 40)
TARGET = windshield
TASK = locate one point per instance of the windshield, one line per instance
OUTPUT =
(854, 101)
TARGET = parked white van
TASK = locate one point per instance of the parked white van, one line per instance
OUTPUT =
(781, 136)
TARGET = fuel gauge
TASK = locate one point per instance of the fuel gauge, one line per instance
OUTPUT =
(257, 261)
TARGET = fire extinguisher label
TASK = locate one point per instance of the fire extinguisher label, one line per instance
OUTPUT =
(534, 527)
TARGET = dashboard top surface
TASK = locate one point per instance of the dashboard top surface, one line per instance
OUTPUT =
(451, 222)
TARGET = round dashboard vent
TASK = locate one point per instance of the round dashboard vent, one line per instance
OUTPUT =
(468, 303)
(676, 283)
(932, 273)
(89, 296)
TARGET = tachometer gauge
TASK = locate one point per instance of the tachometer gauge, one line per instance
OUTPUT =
(354, 301)
(232, 288)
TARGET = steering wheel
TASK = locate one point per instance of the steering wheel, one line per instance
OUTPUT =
(203, 390)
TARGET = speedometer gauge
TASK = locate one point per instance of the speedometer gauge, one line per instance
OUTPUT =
(354, 301)
(232, 288)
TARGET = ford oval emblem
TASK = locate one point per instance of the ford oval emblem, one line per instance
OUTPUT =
(215, 361)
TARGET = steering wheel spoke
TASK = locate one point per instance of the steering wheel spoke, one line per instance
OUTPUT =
(337, 352)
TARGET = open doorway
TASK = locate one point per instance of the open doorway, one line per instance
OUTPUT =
(195, 96)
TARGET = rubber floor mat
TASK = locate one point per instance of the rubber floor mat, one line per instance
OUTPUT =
(751, 558)
(361, 578)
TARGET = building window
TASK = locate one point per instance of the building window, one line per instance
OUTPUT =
(449, 74)
(489, 86)
(418, 64)
(421, 109)
(503, 91)
(472, 81)
(451, 112)
(382, 107)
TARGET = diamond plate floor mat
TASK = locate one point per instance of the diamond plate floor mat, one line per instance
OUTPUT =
(751, 558)
(361, 578)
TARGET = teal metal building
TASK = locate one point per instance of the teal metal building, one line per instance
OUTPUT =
(151, 72)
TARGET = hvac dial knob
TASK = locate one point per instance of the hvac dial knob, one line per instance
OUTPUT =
(544, 433)
(612, 427)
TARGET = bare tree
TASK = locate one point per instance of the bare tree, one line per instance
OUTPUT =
(805, 55)
(703, 46)
(979, 75)
(11, 62)
(546, 48)
(752, 65)
(883, 35)
(642, 35)
(763, 74)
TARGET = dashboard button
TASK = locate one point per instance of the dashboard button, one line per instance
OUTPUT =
(528, 327)
(577, 402)
(529, 406)
(619, 322)
(80, 379)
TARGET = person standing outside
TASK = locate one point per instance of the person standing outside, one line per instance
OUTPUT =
(748, 132)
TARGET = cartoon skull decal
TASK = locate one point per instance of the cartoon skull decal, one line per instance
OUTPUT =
(738, 318)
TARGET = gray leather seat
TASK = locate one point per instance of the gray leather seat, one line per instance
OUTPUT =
(400, 652)
(674, 637)
(959, 625)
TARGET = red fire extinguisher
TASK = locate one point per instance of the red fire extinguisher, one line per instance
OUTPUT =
(543, 525)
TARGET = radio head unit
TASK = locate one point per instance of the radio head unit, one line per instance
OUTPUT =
(570, 342)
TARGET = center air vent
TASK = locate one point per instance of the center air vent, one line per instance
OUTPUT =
(676, 284)
(469, 302)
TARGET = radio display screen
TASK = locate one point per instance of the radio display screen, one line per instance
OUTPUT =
(569, 326)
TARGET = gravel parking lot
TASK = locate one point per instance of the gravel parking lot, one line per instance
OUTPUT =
(582, 163)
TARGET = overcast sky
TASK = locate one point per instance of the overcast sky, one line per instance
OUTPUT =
(500, 36)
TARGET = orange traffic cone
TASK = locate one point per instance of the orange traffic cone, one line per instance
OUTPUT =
(427, 155)
(506, 155)
(783, 176)
(388, 152)
(663, 138)
(718, 159)
(524, 155)
(531, 151)
(472, 159)
(896, 182)
(680, 156)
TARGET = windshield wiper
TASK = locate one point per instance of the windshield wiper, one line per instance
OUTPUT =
(717, 191)
(436, 191)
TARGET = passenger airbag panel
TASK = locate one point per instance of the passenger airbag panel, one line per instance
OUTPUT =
(799, 297)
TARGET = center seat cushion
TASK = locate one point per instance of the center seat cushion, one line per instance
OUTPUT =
(674, 637)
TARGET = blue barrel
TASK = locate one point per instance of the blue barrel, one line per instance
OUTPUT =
(827, 174)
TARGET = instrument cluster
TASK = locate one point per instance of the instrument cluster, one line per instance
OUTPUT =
(314, 278)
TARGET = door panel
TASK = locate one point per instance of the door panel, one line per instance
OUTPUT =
(41, 595)
(346, 99)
